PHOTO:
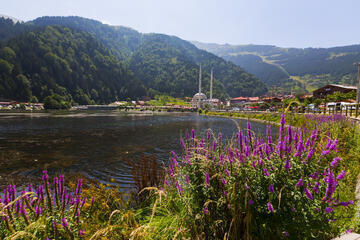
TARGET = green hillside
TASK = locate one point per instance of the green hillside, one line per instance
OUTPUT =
(307, 68)
(68, 62)
(86, 61)
(154, 53)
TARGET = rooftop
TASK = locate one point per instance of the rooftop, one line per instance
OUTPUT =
(341, 86)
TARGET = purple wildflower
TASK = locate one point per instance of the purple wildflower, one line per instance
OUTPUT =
(287, 165)
(187, 180)
(341, 175)
(207, 179)
(271, 188)
(223, 180)
(179, 188)
(214, 145)
(64, 223)
(310, 154)
(38, 211)
(270, 207)
(308, 194)
(331, 185)
(325, 152)
(45, 176)
(206, 210)
(335, 162)
(299, 183)
(316, 187)
(329, 209)
(182, 143)
(266, 172)
(251, 202)
(208, 135)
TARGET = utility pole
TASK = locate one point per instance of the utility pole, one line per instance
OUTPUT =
(358, 83)
(211, 84)
(200, 79)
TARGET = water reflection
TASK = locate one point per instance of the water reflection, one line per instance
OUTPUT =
(97, 143)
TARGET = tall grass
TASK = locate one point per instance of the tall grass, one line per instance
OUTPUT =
(299, 185)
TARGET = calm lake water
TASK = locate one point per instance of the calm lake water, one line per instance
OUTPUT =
(96, 144)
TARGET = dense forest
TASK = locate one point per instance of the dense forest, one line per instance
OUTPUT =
(292, 68)
(128, 44)
(58, 60)
(86, 61)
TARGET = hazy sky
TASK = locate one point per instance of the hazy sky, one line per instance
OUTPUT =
(286, 23)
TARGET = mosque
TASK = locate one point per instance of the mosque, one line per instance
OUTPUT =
(200, 100)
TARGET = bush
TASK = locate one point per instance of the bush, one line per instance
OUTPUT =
(254, 188)
(56, 101)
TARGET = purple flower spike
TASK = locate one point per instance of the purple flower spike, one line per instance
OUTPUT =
(335, 162)
(287, 165)
(341, 175)
(251, 202)
(308, 194)
(266, 172)
(214, 145)
(187, 180)
(193, 133)
(282, 121)
(179, 188)
(182, 143)
(329, 209)
(223, 180)
(45, 176)
(270, 207)
(331, 185)
(38, 211)
(310, 154)
(208, 135)
(271, 188)
(82, 233)
(207, 179)
(316, 187)
(206, 210)
(299, 183)
(64, 223)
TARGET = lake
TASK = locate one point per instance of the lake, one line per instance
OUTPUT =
(96, 144)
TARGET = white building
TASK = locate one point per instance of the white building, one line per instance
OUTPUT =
(200, 100)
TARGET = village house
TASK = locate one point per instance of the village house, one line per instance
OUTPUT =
(332, 88)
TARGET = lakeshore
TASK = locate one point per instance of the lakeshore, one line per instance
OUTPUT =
(95, 143)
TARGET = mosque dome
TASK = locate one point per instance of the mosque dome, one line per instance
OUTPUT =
(199, 96)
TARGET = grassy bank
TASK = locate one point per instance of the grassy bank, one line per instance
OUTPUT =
(299, 185)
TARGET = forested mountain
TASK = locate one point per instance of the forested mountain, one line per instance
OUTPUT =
(155, 54)
(68, 62)
(15, 20)
(160, 64)
(121, 41)
(292, 68)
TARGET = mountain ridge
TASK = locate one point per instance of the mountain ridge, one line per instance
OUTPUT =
(300, 69)
(162, 64)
